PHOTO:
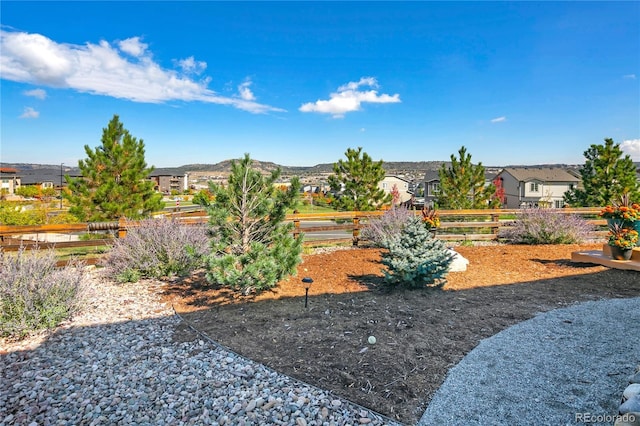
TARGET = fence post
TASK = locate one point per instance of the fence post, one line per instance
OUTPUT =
(296, 228)
(122, 227)
(494, 218)
(356, 229)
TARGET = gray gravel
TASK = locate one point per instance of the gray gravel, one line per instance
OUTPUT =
(549, 370)
(116, 364)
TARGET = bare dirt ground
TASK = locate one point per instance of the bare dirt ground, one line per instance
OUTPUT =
(419, 334)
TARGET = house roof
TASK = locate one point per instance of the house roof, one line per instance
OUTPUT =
(37, 176)
(543, 174)
(431, 175)
(434, 175)
(398, 177)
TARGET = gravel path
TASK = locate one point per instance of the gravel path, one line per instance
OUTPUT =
(116, 364)
(554, 369)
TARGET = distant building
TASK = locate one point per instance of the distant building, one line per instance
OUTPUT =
(401, 184)
(9, 180)
(431, 184)
(536, 186)
(167, 183)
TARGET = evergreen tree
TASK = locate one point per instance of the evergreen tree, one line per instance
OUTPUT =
(202, 197)
(356, 181)
(606, 177)
(462, 185)
(114, 181)
(416, 259)
(252, 248)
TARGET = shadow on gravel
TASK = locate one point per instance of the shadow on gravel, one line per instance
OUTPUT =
(419, 335)
(78, 374)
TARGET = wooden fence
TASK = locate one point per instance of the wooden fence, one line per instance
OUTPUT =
(455, 225)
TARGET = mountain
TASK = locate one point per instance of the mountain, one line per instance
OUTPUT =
(392, 167)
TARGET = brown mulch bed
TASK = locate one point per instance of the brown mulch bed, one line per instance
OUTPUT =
(420, 334)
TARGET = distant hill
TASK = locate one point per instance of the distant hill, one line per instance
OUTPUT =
(225, 167)
(390, 167)
(30, 171)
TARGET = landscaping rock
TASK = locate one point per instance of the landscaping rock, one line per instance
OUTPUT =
(110, 364)
(459, 263)
(631, 391)
(631, 406)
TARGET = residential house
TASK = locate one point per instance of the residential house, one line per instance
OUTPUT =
(9, 180)
(431, 187)
(44, 178)
(400, 183)
(431, 184)
(536, 186)
(165, 183)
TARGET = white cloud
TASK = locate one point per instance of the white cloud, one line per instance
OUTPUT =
(133, 46)
(191, 66)
(30, 113)
(631, 147)
(348, 98)
(629, 76)
(36, 93)
(245, 92)
(364, 81)
(499, 119)
(102, 69)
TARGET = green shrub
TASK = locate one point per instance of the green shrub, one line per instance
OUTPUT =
(157, 248)
(415, 259)
(90, 236)
(21, 213)
(62, 218)
(546, 226)
(34, 294)
(252, 246)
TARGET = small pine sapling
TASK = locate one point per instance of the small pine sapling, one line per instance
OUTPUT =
(252, 246)
(415, 259)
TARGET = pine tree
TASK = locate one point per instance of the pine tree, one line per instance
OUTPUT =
(252, 248)
(114, 181)
(356, 180)
(462, 185)
(415, 259)
(606, 177)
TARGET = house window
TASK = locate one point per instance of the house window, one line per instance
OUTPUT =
(534, 187)
(435, 188)
(571, 186)
(384, 185)
(559, 204)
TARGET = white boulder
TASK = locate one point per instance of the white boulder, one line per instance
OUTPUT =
(459, 263)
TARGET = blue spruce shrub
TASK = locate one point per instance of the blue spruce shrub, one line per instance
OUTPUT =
(415, 259)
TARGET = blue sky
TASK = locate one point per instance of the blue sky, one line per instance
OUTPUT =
(297, 83)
